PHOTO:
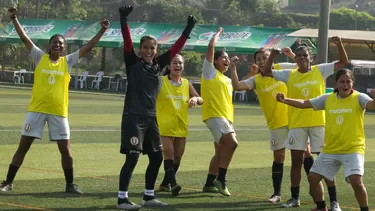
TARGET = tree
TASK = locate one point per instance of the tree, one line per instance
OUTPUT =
(174, 13)
(93, 53)
(268, 6)
(74, 9)
(193, 63)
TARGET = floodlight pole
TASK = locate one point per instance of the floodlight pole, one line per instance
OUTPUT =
(325, 7)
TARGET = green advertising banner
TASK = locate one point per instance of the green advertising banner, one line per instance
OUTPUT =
(241, 39)
(40, 31)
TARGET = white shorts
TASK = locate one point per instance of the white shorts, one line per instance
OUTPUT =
(298, 138)
(219, 126)
(58, 127)
(328, 165)
(279, 137)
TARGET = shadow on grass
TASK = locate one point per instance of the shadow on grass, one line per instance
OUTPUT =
(242, 205)
(250, 189)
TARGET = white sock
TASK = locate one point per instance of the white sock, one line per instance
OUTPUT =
(123, 194)
(149, 192)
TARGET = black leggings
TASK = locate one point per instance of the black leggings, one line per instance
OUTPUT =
(155, 160)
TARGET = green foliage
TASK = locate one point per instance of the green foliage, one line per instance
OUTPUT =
(193, 63)
(345, 18)
(76, 10)
(92, 54)
(268, 6)
(175, 13)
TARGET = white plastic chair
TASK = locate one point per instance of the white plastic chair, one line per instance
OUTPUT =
(116, 80)
(22, 75)
(242, 94)
(97, 80)
(82, 79)
(16, 77)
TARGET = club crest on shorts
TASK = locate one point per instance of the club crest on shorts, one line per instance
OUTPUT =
(27, 127)
(291, 141)
(134, 140)
(273, 142)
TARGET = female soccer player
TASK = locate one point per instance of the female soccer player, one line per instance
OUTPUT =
(217, 113)
(49, 100)
(344, 136)
(139, 130)
(305, 82)
(176, 95)
(266, 88)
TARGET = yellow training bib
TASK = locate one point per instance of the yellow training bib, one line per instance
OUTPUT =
(51, 86)
(172, 108)
(217, 96)
(276, 113)
(344, 133)
(305, 86)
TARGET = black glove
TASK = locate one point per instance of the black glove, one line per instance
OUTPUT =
(190, 25)
(124, 13)
(191, 21)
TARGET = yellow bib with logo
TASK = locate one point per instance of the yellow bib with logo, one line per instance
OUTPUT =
(305, 86)
(50, 91)
(217, 96)
(344, 133)
(276, 113)
(172, 108)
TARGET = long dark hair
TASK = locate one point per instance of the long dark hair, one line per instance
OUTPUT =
(341, 72)
(54, 37)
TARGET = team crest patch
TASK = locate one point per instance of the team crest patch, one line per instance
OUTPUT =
(134, 140)
(27, 127)
(306, 92)
(273, 142)
(339, 119)
(291, 141)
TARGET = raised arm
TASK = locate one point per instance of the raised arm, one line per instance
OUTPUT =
(293, 102)
(343, 55)
(21, 33)
(195, 99)
(267, 70)
(288, 52)
(164, 59)
(212, 44)
(129, 55)
(253, 71)
(237, 85)
(82, 51)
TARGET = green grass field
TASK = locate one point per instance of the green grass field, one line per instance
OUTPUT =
(95, 124)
